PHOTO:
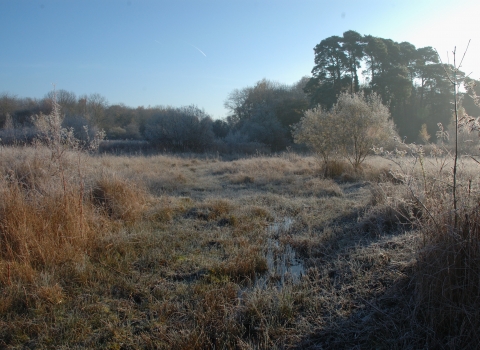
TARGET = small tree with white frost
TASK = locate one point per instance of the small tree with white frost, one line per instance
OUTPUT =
(355, 124)
(363, 122)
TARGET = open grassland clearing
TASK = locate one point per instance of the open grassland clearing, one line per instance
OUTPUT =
(177, 252)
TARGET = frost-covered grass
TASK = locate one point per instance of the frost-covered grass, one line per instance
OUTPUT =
(176, 252)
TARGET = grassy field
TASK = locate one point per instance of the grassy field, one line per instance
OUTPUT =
(179, 252)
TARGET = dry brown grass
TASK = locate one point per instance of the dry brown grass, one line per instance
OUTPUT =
(446, 274)
(45, 217)
(175, 252)
(48, 222)
(447, 279)
(119, 198)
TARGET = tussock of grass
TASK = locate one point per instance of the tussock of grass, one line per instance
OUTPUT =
(241, 179)
(320, 187)
(44, 229)
(254, 211)
(335, 169)
(217, 207)
(391, 208)
(167, 207)
(120, 199)
(246, 264)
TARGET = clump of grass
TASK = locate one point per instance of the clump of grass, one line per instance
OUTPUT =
(167, 208)
(391, 208)
(322, 187)
(44, 229)
(217, 207)
(378, 171)
(212, 209)
(269, 315)
(218, 329)
(242, 179)
(30, 174)
(255, 211)
(244, 266)
(335, 168)
(119, 198)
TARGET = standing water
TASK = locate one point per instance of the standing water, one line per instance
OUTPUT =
(283, 266)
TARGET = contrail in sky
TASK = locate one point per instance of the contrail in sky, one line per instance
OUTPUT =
(203, 53)
(199, 50)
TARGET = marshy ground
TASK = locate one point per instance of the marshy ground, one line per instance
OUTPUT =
(177, 252)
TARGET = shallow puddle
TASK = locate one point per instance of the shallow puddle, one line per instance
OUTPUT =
(283, 265)
(279, 227)
(282, 262)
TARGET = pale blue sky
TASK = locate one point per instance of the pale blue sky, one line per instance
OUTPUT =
(145, 52)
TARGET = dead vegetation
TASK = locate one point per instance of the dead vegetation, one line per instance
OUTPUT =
(176, 252)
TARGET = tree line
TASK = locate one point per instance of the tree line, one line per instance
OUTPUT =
(411, 81)
(177, 129)
(260, 120)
